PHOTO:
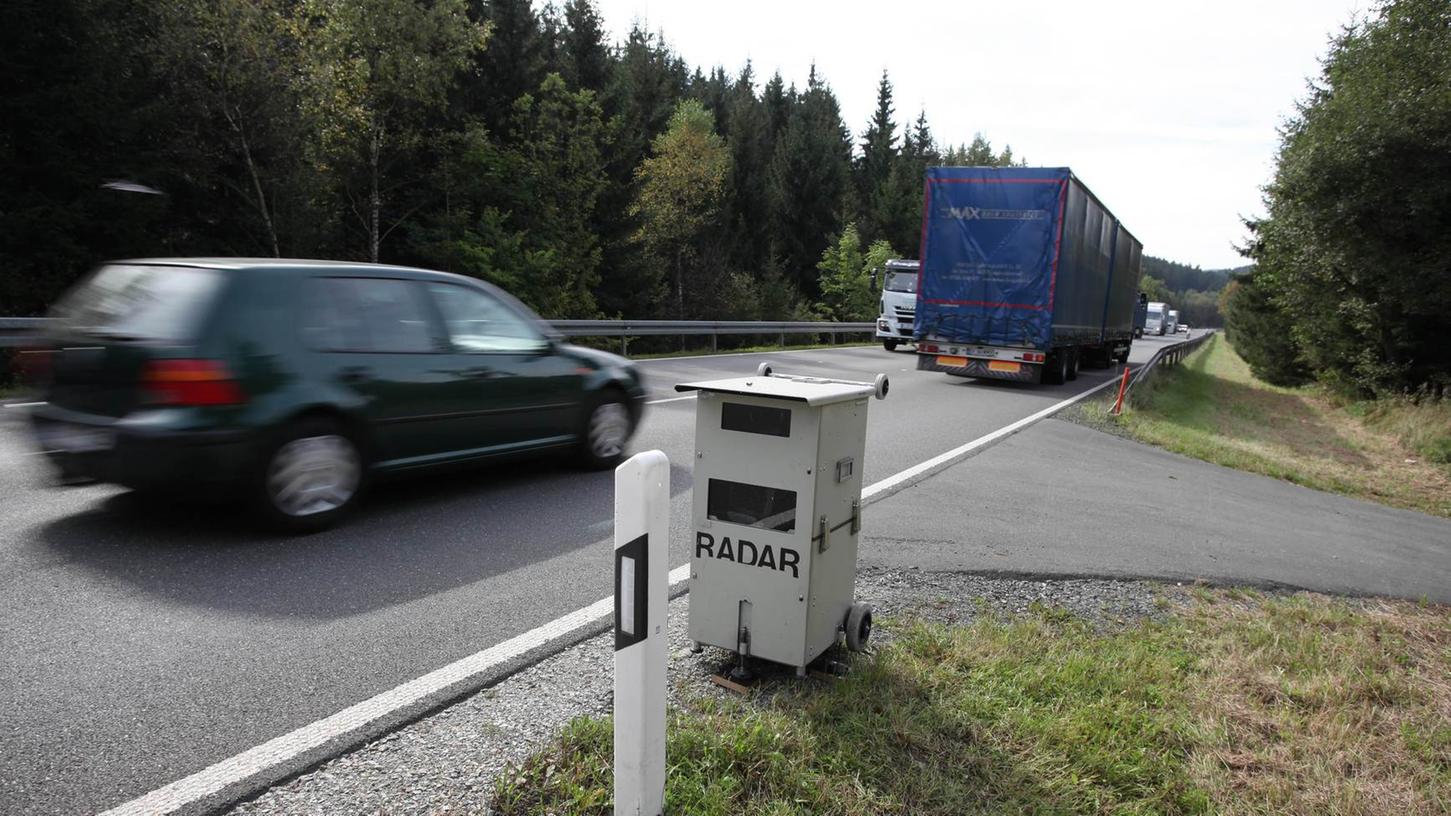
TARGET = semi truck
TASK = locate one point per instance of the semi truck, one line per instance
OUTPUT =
(1158, 318)
(898, 303)
(1141, 314)
(1173, 323)
(1025, 276)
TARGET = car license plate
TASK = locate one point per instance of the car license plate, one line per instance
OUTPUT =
(79, 440)
(1004, 366)
(951, 362)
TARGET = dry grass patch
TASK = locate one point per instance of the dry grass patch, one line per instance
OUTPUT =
(1234, 703)
(1212, 408)
(1319, 706)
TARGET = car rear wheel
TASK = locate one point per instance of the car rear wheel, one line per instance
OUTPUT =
(311, 476)
(608, 426)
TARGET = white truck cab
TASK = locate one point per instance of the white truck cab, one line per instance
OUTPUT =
(1173, 325)
(1157, 321)
(898, 303)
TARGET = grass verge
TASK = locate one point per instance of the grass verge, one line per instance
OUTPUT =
(1212, 408)
(1233, 703)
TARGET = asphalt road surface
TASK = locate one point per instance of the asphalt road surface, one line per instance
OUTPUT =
(142, 643)
(1038, 504)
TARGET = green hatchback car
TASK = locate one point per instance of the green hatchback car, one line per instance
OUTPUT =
(295, 383)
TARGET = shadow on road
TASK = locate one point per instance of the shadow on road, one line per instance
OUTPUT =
(1087, 378)
(409, 540)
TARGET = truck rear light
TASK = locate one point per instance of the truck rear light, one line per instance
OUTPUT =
(190, 383)
(1033, 357)
(930, 348)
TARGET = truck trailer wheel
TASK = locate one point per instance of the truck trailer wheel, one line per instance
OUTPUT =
(1055, 370)
(1073, 361)
(858, 627)
(890, 344)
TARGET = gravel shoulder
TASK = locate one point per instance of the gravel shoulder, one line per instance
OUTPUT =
(449, 761)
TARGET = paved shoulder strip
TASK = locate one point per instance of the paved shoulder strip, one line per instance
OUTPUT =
(284, 751)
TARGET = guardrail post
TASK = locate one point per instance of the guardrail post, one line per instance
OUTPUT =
(642, 526)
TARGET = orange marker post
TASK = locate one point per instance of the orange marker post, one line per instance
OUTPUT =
(1118, 404)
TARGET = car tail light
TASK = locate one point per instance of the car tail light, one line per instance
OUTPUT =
(190, 382)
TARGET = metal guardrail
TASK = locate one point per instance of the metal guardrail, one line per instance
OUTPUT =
(23, 331)
(625, 329)
(1168, 355)
(20, 331)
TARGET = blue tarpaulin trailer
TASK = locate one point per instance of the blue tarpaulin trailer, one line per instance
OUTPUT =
(1025, 275)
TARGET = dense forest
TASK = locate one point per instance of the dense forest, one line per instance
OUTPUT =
(1193, 291)
(491, 138)
(1351, 282)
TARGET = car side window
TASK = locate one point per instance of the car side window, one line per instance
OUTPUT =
(365, 314)
(478, 322)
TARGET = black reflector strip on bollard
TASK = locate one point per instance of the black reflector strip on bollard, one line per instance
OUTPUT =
(632, 601)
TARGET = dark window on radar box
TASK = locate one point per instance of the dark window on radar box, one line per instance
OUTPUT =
(757, 419)
(751, 505)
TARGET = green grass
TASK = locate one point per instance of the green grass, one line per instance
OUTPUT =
(1231, 705)
(1212, 408)
(1423, 427)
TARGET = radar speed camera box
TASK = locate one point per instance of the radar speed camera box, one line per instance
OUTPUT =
(776, 513)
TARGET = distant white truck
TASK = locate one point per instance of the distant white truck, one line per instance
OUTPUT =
(1157, 321)
(898, 313)
(1173, 326)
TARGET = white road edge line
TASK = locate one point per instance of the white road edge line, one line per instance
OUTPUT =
(942, 459)
(669, 399)
(22, 404)
(216, 778)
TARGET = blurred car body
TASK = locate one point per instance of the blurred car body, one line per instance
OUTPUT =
(295, 382)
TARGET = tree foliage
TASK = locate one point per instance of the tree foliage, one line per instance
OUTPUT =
(375, 74)
(1356, 248)
(1259, 331)
(682, 184)
(502, 139)
(846, 276)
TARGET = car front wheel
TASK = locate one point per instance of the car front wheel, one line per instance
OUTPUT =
(311, 477)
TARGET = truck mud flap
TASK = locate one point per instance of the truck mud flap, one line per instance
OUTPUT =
(979, 369)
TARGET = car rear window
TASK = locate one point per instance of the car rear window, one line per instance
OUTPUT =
(140, 302)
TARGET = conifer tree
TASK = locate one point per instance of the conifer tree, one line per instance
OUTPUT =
(809, 182)
(512, 65)
(584, 54)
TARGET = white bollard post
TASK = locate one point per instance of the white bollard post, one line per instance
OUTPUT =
(642, 525)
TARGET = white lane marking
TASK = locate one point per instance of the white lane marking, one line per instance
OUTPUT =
(22, 404)
(669, 399)
(943, 459)
(228, 772)
(236, 769)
